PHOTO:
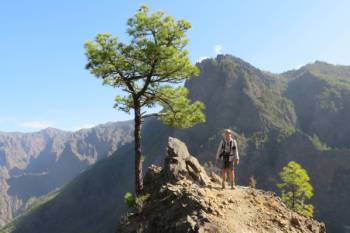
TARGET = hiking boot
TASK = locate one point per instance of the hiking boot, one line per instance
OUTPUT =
(223, 185)
(233, 186)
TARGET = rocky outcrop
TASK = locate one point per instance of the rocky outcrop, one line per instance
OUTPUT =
(184, 198)
(180, 164)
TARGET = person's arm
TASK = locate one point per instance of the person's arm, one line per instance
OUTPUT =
(218, 152)
(236, 152)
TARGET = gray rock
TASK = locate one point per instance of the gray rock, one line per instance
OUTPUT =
(179, 164)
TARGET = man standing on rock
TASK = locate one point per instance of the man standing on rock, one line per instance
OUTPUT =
(227, 154)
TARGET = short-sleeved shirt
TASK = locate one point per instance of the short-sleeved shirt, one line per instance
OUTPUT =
(226, 147)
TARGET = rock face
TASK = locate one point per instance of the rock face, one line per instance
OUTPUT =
(184, 198)
(321, 96)
(180, 164)
(34, 164)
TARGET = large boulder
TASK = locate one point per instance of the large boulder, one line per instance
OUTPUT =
(179, 164)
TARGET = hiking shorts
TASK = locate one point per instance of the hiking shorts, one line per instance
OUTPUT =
(226, 163)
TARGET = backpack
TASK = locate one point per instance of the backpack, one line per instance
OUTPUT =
(232, 147)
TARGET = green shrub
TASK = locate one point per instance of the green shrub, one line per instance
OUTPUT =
(140, 200)
(129, 200)
(136, 202)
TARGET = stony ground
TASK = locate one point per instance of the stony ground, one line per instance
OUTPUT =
(242, 210)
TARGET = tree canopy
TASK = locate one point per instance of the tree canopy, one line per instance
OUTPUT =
(144, 68)
(296, 188)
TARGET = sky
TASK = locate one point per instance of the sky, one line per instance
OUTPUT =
(43, 82)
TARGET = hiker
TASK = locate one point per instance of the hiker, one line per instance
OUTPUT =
(227, 155)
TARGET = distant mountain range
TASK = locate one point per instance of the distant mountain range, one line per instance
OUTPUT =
(34, 164)
(299, 115)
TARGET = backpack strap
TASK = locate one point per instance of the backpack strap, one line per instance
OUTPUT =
(223, 145)
(234, 145)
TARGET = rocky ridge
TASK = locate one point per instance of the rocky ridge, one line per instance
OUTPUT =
(185, 197)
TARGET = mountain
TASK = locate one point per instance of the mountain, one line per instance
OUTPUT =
(273, 118)
(185, 197)
(241, 97)
(321, 96)
(274, 131)
(34, 164)
(93, 201)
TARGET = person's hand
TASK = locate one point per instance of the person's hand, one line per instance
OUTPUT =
(217, 161)
(236, 161)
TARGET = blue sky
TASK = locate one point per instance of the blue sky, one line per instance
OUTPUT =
(42, 77)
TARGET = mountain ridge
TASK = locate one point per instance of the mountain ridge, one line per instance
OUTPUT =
(33, 164)
(268, 121)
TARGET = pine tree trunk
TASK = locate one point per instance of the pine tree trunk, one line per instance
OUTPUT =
(138, 154)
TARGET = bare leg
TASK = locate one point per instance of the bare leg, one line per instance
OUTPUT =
(232, 177)
(223, 177)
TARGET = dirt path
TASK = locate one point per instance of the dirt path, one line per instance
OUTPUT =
(243, 210)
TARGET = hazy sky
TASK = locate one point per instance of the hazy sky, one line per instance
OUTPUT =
(42, 77)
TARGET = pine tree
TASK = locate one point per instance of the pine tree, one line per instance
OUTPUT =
(296, 188)
(146, 70)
